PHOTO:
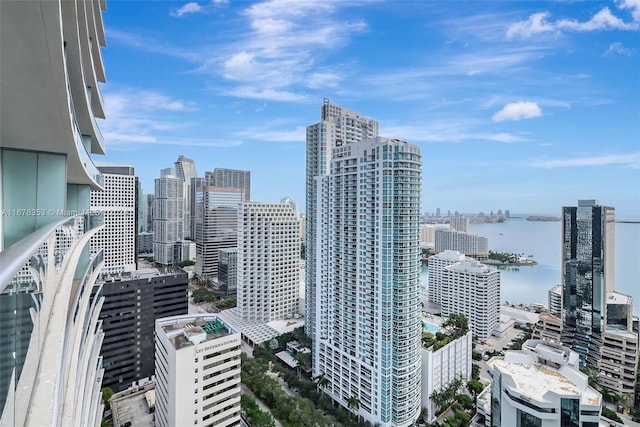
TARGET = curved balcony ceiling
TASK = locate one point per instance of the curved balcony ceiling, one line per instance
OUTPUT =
(34, 105)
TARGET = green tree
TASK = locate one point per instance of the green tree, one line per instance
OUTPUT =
(107, 393)
(475, 372)
(458, 322)
(608, 413)
(466, 401)
(475, 387)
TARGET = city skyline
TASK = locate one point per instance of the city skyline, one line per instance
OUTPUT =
(520, 106)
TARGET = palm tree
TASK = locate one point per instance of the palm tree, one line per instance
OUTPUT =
(439, 399)
(321, 382)
(354, 403)
(424, 415)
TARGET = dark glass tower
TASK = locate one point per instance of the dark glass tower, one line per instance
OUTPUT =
(587, 275)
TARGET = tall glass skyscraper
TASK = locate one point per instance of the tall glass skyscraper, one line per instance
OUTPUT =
(364, 270)
(588, 245)
(50, 334)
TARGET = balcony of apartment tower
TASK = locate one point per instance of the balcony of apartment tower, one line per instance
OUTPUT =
(50, 334)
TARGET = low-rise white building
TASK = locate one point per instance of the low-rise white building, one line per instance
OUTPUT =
(443, 366)
(197, 372)
(542, 386)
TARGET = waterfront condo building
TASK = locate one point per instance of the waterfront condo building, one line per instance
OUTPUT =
(472, 289)
(437, 263)
(467, 243)
(118, 204)
(459, 223)
(428, 234)
(197, 372)
(50, 337)
(367, 309)
(540, 385)
(268, 261)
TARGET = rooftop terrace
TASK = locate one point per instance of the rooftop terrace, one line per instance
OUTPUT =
(198, 330)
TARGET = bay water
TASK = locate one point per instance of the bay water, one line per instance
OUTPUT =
(541, 240)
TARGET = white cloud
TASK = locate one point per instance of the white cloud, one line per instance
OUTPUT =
(148, 117)
(267, 133)
(191, 7)
(518, 111)
(324, 79)
(280, 51)
(602, 20)
(447, 130)
(505, 137)
(266, 94)
(634, 5)
(241, 66)
(539, 22)
(618, 49)
(534, 25)
(630, 160)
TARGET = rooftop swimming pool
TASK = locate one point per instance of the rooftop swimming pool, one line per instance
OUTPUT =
(430, 327)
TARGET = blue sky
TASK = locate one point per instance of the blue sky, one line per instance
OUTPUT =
(526, 106)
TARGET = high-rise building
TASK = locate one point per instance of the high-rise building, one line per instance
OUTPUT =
(186, 170)
(197, 372)
(541, 385)
(618, 362)
(149, 201)
(338, 126)
(467, 243)
(145, 243)
(118, 204)
(50, 336)
(268, 261)
(428, 233)
(231, 178)
(216, 210)
(587, 275)
(132, 303)
(459, 223)
(228, 271)
(367, 277)
(596, 321)
(555, 300)
(141, 203)
(437, 263)
(168, 216)
(472, 289)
